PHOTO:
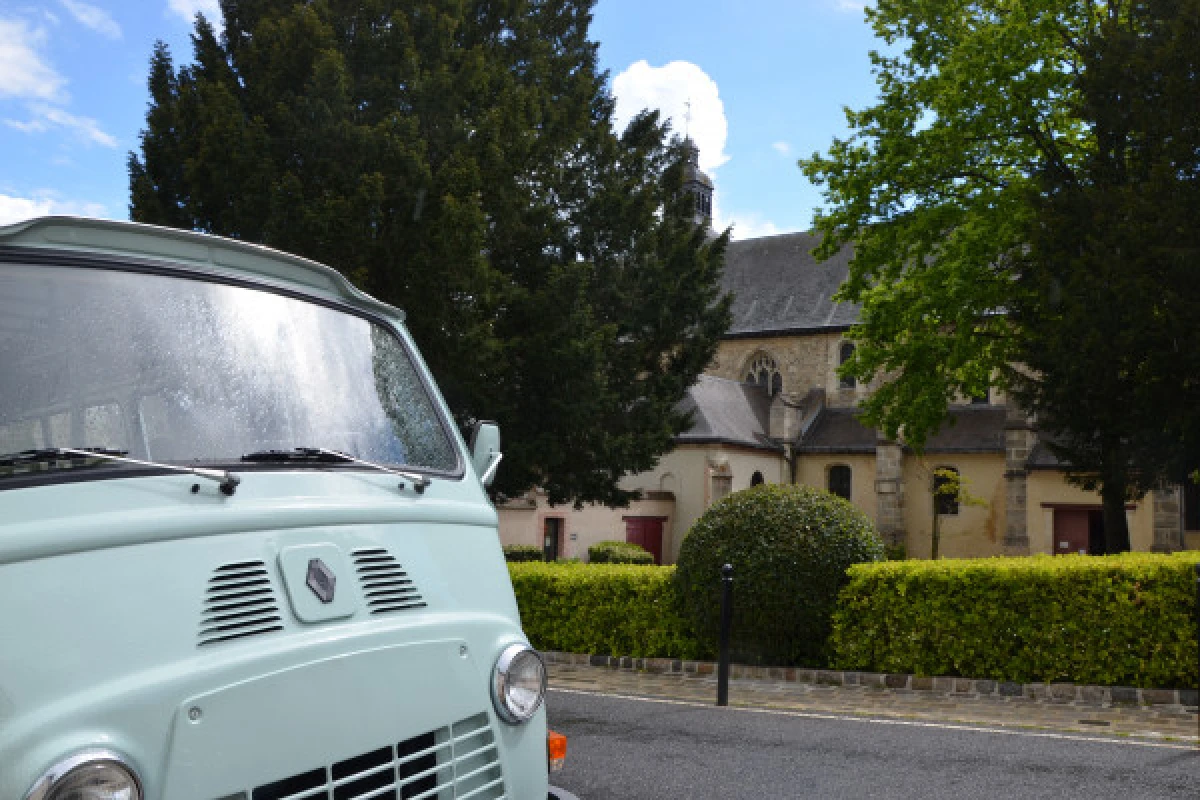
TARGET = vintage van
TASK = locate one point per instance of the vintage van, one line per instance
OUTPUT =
(244, 552)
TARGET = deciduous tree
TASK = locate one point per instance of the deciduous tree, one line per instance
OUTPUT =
(987, 244)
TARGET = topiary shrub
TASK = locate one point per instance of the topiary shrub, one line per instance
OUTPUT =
(790, 547)
(613, 552)
(522, 552)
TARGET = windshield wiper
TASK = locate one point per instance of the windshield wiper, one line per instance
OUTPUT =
(227, 481)
(323, 455)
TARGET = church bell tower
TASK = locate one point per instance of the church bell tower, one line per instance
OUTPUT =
(696, 183)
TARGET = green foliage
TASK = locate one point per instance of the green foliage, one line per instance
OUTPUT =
(949, 485)
(1112, 620)
(616, 552)
(930, 188)
(1037, 158)
(458, 161)
(522, 552)
(611, 609)
(789, 547)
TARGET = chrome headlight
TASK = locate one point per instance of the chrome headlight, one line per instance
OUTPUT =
(91, 775)
(518, 683)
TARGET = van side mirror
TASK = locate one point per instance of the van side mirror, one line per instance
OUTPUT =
(485, 450)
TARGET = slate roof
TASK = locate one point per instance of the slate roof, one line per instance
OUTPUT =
(727, 412)
(1042, 457)
(779, 287)
(975, 429)
(837, 430)
(971, 429)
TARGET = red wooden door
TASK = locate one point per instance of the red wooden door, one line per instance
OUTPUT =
(1071, 531)
(646, 532)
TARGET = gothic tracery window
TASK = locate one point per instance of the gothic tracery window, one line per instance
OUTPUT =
(764, 371)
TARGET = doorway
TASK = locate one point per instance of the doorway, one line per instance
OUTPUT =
(647, 532)
(1078, 530)
(552, 539)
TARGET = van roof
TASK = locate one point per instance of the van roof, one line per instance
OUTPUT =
(201, 250)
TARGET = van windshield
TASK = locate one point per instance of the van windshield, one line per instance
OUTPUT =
(181, 370)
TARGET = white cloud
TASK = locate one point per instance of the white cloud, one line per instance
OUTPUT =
(16, 209)
(669, 89)
(783, 148)
(93, 17)
(47, 117)
(851, 5)
(23, 73)
(187, 10)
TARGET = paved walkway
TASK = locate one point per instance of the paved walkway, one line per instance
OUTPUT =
(1159, 723)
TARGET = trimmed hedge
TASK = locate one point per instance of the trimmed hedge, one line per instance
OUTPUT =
(1114, 620)
(522, 552)
(789, 547)
(610, 609)
(614, 552)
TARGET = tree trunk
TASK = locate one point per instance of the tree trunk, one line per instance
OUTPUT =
(1116, 527)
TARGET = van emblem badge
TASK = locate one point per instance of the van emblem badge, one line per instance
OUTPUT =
(321, 580)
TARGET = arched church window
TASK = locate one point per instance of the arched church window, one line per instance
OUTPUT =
(945, 501)
(764, 371)
(845, 353)
(840, 480)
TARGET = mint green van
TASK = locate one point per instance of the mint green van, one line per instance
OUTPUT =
(244, 552)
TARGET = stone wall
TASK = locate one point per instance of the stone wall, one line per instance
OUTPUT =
(1019, 439)
(805, 362)
(1168, 520)
(889, 491)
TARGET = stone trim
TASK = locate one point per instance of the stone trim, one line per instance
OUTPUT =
(1054, 693)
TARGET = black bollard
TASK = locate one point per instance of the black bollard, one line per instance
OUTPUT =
(1198, 652)
(726, 624)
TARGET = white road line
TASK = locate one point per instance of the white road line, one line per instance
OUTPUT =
(946, 726)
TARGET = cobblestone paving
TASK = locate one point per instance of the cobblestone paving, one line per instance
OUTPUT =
(1163, 722)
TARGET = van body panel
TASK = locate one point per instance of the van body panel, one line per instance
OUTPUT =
(325, 621)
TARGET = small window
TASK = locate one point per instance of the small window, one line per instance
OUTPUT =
(982, 399)
(943, 504)
(722, 485)
(840, 478)
(756, 479)
(1191, 505)
(845, 353)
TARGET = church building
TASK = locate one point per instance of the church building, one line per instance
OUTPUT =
(771, 408)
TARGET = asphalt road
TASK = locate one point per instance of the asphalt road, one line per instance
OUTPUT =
(625, 749)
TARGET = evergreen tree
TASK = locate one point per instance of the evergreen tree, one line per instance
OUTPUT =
(456, 158)
(1111, 324)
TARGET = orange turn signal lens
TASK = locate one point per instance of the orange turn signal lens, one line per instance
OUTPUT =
(556, 750)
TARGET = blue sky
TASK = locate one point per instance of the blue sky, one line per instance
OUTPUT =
(766, 80)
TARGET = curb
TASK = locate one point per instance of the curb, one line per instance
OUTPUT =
(1051, 693)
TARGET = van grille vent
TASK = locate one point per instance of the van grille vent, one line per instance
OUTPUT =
(239, 601)
(459, 760)
(385, 584)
